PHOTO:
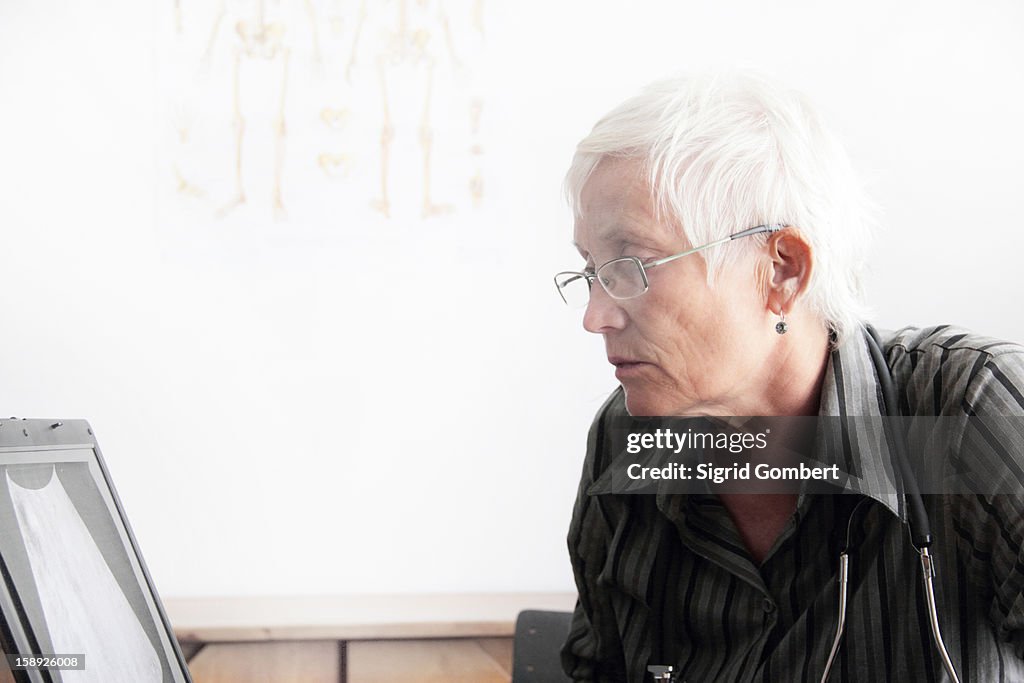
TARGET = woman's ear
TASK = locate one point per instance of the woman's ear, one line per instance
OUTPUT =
(792, 260)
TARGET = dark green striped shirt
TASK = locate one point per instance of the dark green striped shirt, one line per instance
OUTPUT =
(666, 579)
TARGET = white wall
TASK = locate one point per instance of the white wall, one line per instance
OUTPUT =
(274, 429)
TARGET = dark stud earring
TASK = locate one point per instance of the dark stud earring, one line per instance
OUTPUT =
(781, 326)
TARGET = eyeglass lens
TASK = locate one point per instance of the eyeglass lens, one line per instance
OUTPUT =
(621, 278)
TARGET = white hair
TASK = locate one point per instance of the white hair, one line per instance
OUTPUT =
(723, 152)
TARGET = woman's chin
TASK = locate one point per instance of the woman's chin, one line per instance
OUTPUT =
(640, 403)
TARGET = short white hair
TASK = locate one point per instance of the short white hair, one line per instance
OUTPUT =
(726, 151)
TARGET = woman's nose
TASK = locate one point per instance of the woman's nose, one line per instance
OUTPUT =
(603, 313)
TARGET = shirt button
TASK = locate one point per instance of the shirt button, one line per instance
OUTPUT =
(769, 606)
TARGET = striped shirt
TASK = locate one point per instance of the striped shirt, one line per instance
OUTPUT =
(666, 579)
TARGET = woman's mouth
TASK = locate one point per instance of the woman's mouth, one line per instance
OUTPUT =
(625, 369)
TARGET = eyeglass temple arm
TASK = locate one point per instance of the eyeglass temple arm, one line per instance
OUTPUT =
(735, 236)
(757, 229)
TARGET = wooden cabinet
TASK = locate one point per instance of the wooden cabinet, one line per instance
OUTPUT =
(353, 639)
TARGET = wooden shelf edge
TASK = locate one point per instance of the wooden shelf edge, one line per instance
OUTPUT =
(355, 617)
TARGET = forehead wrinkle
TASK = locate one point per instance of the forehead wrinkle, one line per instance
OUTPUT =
(616, 208)
(619, 235)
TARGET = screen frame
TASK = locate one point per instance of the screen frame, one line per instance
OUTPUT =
(32, 438)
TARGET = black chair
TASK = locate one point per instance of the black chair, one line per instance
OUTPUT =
(535, 650)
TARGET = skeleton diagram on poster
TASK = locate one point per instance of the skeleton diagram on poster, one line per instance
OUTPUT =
(408, 55)
(314, 107)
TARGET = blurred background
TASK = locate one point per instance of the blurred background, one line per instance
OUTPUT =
(293, 260)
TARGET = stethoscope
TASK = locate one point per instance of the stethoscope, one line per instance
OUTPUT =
(920, 531)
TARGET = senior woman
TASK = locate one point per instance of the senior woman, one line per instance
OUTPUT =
(723, 234)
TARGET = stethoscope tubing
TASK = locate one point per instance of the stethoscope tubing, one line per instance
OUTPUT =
(920, 529)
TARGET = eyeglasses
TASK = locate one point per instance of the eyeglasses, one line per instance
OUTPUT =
(626, 277)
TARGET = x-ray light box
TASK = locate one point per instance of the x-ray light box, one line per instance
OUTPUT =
(73, 580)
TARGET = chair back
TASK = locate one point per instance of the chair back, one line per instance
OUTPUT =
(537, 646)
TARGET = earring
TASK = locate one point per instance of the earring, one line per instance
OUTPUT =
(781, 326)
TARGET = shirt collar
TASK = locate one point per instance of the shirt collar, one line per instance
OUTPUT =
(854, 437)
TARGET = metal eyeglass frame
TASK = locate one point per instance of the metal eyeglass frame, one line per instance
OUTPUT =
(595, 274)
